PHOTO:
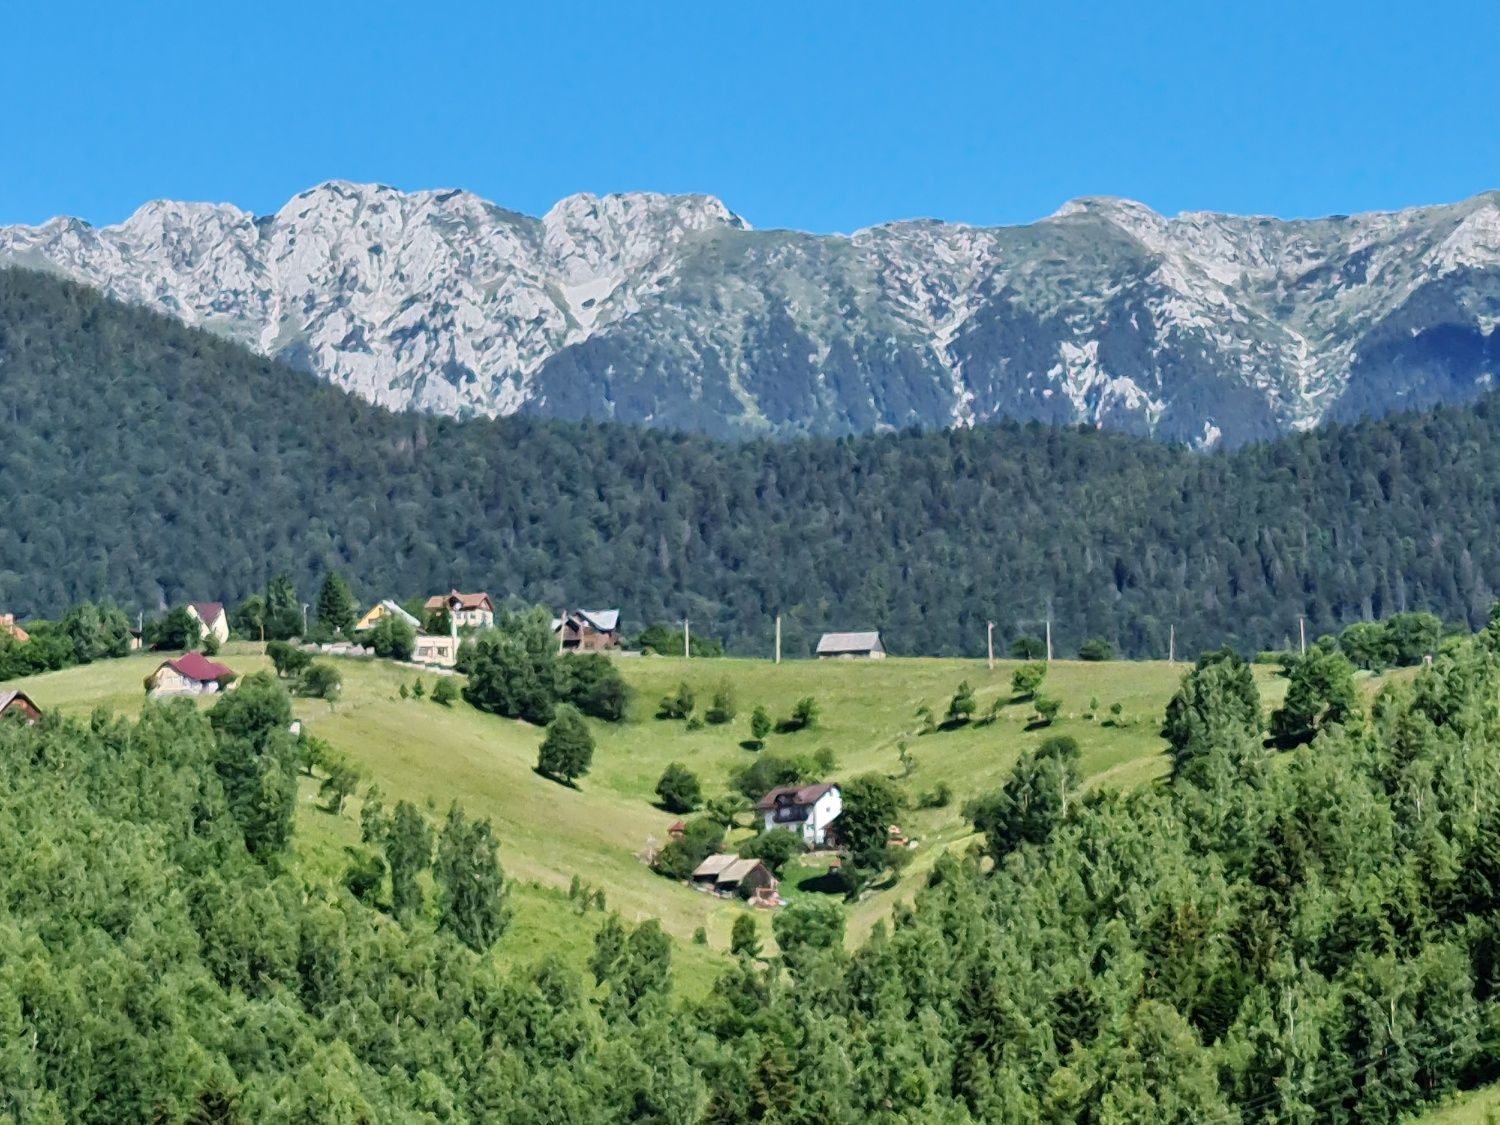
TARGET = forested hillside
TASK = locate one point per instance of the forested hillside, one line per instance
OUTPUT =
(1313, 939)
(147, 463)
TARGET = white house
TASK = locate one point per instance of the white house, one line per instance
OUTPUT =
(438, 649)
(467, 611)
(805, 809)
(211, 619)
(850, 646)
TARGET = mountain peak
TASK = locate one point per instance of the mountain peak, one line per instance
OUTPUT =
(635, 307)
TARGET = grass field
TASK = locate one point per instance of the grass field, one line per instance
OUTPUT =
(550, 833)
(1477, 1107)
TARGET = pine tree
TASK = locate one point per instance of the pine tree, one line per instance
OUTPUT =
(336, 609)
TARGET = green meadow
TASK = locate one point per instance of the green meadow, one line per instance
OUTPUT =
(599, 831)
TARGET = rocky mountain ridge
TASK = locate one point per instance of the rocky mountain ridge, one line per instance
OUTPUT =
(672, 311)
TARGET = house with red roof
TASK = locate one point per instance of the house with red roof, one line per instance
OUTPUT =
(189, 674)
(807, 810)
(467, 611)
(9, 627)
(211, 619)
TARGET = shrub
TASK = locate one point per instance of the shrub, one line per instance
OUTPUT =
(287, 659)
(393, 638)
(1096, 648)
(679, 789)
(939, 798)
(760, 726)
(723, 708)
(769, 771)
(1028, 648)
(1027, 678)
(804, 716)
(962, 706)
(592, 683)
(1046, 709)
(701, 838)
(445, 691)
(776, 848)
(678, 705)
(321, 680)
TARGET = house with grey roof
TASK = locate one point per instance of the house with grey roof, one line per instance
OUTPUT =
(588, 630)
(728, 874)
(851, 646)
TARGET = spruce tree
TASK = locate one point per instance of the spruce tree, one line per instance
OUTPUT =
(335, 607)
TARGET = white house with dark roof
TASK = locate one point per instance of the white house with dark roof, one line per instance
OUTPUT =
(851, 646)
(807, 810)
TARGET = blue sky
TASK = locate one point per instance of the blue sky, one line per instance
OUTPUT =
(820, 116)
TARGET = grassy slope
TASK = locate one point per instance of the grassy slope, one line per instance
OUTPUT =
(550, 833)
(1475, 1108)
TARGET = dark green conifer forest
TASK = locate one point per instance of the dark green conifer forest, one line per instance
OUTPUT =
(147, 464)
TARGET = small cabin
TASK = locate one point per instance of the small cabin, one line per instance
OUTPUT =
(728, 875)
(851, 646)
(18, 706)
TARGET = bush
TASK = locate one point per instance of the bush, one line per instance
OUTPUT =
(321, 680)
(678, 705)
(287, 659)
(1046, 710)
(393, 638)
(776, 848)
(1096, 648)
(679, 789)
(804, 716)
(939, 798)
(1027, 678)
(769, 771)
(723, 708)
(445, 691)
(962, 706)
(760, 726)
(701, 838)
(1028, 648)
(364, 876)
(592, 683)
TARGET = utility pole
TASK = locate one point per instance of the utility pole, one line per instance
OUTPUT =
(686, 647)
(304, 620)
(1302, 634)
(989, 643)
(778, 638)
(1049, 639)
(1172, 644)
(562, 628)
